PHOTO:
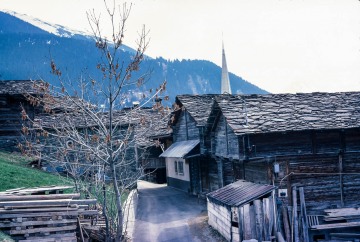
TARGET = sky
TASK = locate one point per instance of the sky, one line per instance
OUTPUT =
(282, 46)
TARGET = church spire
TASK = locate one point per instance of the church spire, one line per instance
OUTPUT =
(225, 81)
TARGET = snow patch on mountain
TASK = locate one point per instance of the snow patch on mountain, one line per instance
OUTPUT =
(56, 29)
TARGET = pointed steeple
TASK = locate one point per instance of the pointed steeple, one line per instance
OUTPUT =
(225, 81)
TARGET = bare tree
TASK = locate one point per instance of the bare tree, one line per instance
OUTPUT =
(88, 132)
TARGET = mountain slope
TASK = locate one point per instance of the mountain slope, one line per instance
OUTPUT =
(26, 51)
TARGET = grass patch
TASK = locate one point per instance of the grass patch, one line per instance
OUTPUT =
(5, 238)
(15, 173)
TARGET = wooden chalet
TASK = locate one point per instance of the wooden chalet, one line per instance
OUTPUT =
(188, 161)
(306, 144)
(308, 141)
(13, 96)
(140, 126)
(154, 140)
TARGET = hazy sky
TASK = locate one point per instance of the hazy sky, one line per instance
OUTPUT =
(279, 45)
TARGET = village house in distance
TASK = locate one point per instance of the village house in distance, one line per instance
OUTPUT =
(273, 165)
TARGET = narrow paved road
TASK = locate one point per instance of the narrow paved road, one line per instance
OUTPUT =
(165, 214)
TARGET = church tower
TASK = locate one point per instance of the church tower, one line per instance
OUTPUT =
(225, 81)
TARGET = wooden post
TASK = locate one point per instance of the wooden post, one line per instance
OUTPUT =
(220, 172)
(80, 230)
(288, 180)
(247, 222)
(241, 222)
(280, 237)
(341, 180)
(286, 224)
(200, 176)
(304, 215)
(253, 222)
(186, 125)
(259, 220)
(295, 216)
(267, 215)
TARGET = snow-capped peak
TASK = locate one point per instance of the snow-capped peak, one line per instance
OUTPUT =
(56, 29)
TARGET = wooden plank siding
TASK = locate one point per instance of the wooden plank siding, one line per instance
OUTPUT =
(185, 128)
(352, 137)
(257, 171)
(11, 121)
(312, 158)
(203, 169)
(279, 144)
(225, 142)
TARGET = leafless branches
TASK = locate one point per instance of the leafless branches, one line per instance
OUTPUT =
(88, 133)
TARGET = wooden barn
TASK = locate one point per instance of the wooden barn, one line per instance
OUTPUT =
(188, 162)
(138, 127)
(156, 140)
(11, 99)
(310, 142)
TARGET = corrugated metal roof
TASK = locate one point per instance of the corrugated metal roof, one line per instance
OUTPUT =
(180, 149)
(239, 193)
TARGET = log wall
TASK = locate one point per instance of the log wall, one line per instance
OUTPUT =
(10, 120)
(314, 160)
(319, 174)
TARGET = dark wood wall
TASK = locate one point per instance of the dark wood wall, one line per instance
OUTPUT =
(312, 159)
(278, 144)
(185, 128)
(204, 174)
(225, 142)
(11, 121)
(309, 159)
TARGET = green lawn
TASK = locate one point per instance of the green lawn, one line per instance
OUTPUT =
(15, 173)
(5, 238)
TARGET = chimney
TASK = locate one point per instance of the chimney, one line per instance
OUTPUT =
(135, 104)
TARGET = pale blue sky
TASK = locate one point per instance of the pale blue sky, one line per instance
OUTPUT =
(279, 45)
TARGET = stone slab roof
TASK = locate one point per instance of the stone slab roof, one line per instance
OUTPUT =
(198, 106)
(248, 114)
(147, 122)
(18, 87)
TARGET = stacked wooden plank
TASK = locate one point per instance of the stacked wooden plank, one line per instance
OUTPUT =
(35, 215)
(340, 218)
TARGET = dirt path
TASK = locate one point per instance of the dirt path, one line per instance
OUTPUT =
(166, 214)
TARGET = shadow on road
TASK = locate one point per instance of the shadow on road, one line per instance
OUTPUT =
(163, 213)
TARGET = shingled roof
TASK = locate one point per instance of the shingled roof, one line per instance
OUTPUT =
(248, 114)
(198, 106)
(148, 122)
(18, 87)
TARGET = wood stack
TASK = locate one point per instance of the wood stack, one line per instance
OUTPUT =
(44, 214)
(340, 218)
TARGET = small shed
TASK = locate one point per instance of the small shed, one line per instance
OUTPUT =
(242, 210)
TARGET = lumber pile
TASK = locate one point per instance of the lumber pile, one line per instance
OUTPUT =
(348, 214)
(340, 218)
(343, 224)
(45, 214)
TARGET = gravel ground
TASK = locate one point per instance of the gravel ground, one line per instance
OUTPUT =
(201, 230)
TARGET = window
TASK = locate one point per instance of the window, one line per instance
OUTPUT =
(179, 167)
